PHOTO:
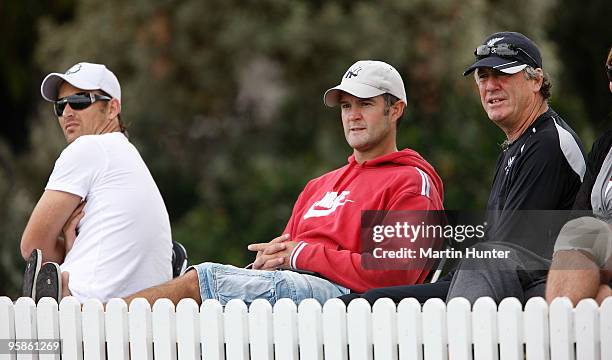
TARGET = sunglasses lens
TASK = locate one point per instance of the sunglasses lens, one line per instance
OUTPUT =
(59, 107)
(499, 50)
(609, 72)
(77, 102)
(482, 50)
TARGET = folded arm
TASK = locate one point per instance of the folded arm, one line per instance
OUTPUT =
(45, 225)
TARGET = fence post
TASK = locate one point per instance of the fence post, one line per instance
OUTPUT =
(409, 329)
(459, 323)
(188, 329)
(285, 330)
(535, 326)
(510, 327)
(7, 327)
(25, 326)
(434, 330)
(236, 330)
(334, 330)
(116, 321)
(587, 330)
(310, 333)
(359, 330)
(484, 329)
(260, 330)
(384, 329)
(47, 319)
(71, 330)
(211, 330)
(605, 328)
(561, 329)
(93, 330)
(140, 330)
(164, 330)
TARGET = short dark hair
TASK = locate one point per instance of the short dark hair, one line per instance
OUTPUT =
(389, 101)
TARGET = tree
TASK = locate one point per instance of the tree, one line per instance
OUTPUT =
(223, 99)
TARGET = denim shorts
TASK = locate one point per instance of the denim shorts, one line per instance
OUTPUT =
(226, 282)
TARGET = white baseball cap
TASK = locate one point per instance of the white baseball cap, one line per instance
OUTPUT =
(366, 79)
(86, 76)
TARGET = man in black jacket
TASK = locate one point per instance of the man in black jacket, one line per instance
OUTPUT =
(540, 168)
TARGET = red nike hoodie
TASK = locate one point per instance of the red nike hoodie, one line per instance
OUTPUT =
(326, 219)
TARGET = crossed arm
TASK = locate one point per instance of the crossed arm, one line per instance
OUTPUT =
(55, 212)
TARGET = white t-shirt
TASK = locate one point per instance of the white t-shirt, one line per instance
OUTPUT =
(124, 242)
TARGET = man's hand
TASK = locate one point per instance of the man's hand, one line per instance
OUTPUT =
(69, 230)
(273, 254)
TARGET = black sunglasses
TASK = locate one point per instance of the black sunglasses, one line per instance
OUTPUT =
(503, 50)
(609, 72)
(78, 101)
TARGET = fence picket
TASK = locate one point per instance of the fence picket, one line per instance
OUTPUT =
(7, 326)
(212, 330)
(561, 329)
(459, 324)
(285, 330)
(188, 329)
(141, 330)
(434, 330)
(535, 327)
(605, 328)
(260, 330)
(25, 326)
(484, 329)
(587, 330)
(93, 330)
(164, 330)
(71, 329)
(116, 324)
(359, 330)
(384, 329)
(236, 330)
(47, 320)
(310, 332)
(409, 334)
(334, 330)
(510, 329)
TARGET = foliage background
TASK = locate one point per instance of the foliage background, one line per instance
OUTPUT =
(223, 98)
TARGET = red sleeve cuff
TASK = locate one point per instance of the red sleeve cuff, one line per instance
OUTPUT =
(295, 253)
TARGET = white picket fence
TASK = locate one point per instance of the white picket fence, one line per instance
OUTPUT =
(310, 331)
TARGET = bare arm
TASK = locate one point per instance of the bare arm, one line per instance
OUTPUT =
(572, 274)
(45, 225)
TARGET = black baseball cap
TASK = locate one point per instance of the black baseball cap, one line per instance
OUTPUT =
(508, 52)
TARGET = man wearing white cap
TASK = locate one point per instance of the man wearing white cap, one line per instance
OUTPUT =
(101, 187)
(540, 168)
(320, 246)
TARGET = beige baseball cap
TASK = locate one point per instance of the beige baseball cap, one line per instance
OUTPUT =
(366, 79)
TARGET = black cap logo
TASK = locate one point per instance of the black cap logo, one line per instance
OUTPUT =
(352, 72)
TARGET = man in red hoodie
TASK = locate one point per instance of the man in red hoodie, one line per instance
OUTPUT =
(319, 254)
